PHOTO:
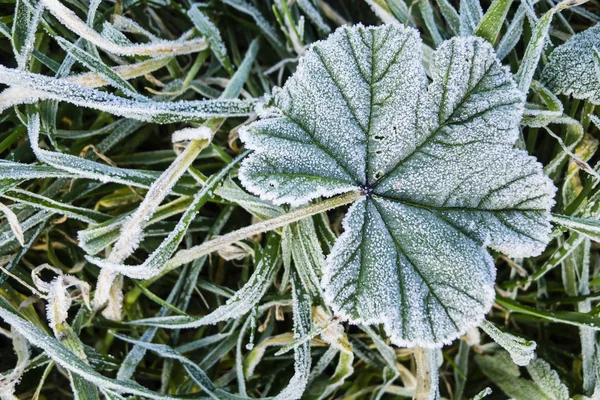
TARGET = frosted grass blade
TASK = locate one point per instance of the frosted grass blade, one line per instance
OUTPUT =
(154, 49)
(42, 87)
(48, 204)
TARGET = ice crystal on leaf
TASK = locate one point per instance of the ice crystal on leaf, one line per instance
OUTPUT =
(574, 67)
(435, 161)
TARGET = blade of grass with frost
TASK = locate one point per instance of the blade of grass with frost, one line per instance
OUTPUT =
(564, 317)
(382, 10)
(9, 380)
(302, 327)
(212, 35)
(236, 306)
(576, 277)
(555, 260)
(45, 203)
(309, 261)
(154, 49)
(193, 370)
(470, 16)
(343, 370)
(132, 231)
(97, 65)
(545, 383)
(314, 15)
(428, 17)
(521, 351)
(450, 15)
(537, 118)
(461, 368)
(428, 362)
(127, 71)
(16, 258)
(68, 360)
(7, 237)
(236, 83)
(575, 134)
(268, 30)
(14, 224)
(72, 166)
(43, 87)
(124, 24)
(183, 288)
(493, 20)
(585, 226)
(89, 170)
(512, 35)
(95, 239)
(25, 24)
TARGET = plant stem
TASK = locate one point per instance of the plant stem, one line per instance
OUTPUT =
(188, 255)
(422, 392)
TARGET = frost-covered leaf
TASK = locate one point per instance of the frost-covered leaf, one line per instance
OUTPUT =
(439, 176)
(573, 68)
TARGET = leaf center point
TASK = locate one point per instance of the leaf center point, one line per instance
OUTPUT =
(367, 190)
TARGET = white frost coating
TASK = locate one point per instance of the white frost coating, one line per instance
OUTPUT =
(573, 67)
(43, 87)
(58, 296)
(521, 351)
(437, 164)
(154, 49)
(187, 134)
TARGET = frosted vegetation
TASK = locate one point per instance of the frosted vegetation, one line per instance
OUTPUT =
(317, 199)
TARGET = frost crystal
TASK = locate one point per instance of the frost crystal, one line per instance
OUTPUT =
(574, 67)
(435, 162)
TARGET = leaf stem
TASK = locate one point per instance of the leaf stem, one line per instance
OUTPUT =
(188, 255)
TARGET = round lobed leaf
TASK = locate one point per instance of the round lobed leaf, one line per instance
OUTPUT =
(435, 161)
(574, 67)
